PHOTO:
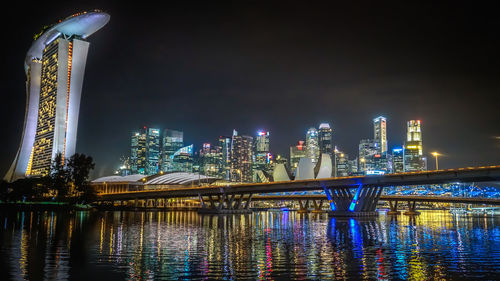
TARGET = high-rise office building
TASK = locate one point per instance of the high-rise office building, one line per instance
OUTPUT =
(183, 159)
(152, 151)
(138, 152)
(413, 158)
(398, 160)
(210, 160)
(241, 158)
(54, 66)
(380, 133)
(297, 152)
(145, 151)
(262, 156)
(225, 144)
(368, 148)
(173, 140)
(325, 138)
(342, 164)
(312, 145)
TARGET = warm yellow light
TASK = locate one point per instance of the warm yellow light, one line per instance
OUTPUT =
(435, 154)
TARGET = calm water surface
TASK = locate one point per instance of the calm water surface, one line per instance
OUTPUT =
(263, 245)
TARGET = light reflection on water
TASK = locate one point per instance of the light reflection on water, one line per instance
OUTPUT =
(262, 245)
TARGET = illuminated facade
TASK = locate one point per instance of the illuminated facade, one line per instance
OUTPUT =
(54, 66)
(413, 157)
(368, 149)
(297, 152)
(211, 160)
(152, 151)
(138, 152)
(241, 158)
(312, 145)
(262, 156)
(225, 144)
(380, 133)
(398, 160)
(325, 138)
(173, 140)
(183, 159)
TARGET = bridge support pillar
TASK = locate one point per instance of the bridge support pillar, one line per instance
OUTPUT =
(344, 203)
(393, 208)
(303, 206)
(412, 210)
(318, 206)
(226, 204)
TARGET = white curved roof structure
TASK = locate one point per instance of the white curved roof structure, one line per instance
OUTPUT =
(280, 173)
(129, 178)
(325, 167)
(181, 178)
(305, 169)
(82, 24)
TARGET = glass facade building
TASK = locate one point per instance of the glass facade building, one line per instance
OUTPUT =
(325, 138)
(312, 145)
(297, 152)
(380, 133)
(173, 140)
(413, 157)
(241, 158)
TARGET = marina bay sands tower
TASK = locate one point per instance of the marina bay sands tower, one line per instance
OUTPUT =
(54, 66)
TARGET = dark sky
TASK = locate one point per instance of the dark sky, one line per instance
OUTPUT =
(280, 66)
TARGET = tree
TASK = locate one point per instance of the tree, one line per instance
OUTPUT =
(79, 167)
(59, 177)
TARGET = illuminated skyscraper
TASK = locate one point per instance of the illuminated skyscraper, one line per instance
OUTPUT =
(225, 144)
(368, 149)
(398, 160)
(297, 152)
(261, 152)
(172, 141)
(152, 151)
(325, 138)
(241, 158)
(413, 158)
(145, 151)
(138, 152)
(211, 160)
(54, 66)
(183, 159)
(312, 145)
(380, 133)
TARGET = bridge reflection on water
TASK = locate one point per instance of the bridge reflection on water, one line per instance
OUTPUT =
(261, 245)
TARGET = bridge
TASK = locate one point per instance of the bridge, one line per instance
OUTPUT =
(347, 196)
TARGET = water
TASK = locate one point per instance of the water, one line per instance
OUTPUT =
(263, 245)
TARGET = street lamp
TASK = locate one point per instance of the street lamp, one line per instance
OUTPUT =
(436, 154)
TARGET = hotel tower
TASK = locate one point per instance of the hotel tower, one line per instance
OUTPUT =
(54, 66)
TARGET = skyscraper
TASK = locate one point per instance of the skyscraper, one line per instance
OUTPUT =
(152, 151)
(297, 152)
(368, 148)
(398, 160)
(145, 151)
(173, 140)
(413, 157)
(225, 144)
(183, 159)
(54, 67)
(380, 133)
(261, 151)
(211, 160)
(138, 152)
(325, 138)
(241, 158)
(312, 145)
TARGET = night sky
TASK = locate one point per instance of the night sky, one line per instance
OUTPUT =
(283, 67)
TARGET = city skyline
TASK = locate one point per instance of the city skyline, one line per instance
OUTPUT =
(267, 77)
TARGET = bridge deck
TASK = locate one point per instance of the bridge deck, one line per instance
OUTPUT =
(477, 174)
